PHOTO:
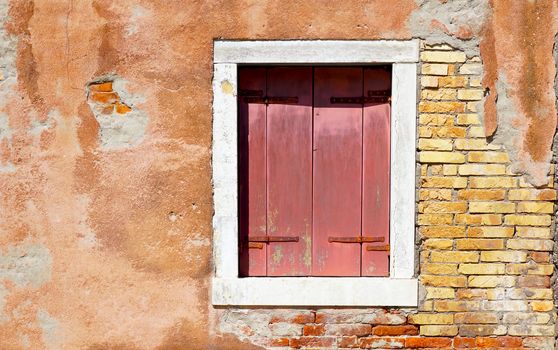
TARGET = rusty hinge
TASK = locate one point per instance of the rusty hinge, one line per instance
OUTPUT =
(358, 239)
(377, 248)
(374, 96)
(257, 96)
(257, 242)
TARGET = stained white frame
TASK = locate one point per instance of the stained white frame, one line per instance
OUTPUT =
(401, 287)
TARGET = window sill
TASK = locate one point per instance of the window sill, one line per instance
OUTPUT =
(315, 291)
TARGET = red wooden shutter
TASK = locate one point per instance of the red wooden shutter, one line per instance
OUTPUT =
(314, 170)
(337, 171)
(289, 171)
(376, 174)
(252, 173)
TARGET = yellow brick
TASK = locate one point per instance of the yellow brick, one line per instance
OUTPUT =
(429, 81)
(476, 131)
(434, 170)
(531, 330)
(435, 219)
(505, 305)
(441, 107)
(525, 184)
(468, 119)
(482, 269)
(529, 269)
(528, 220)
(526, 318)
(449, 170)
(542, 305)
(491, 281)
(530, 293)
(488, 157)
(493, 182)
(470, 94)
(442, 132)
(452, 82)
(471, 68)
(532, 195)
(454, 257)
(439, 269)
(423, 170)
(530, 244)
(444, 182)
(535, 207)
(439, 47)
(490, 232)
(434, 69)
(436, 119)
(478, 219)
(479, 244)
(443, 281)
(451, 305)
(474, 144)
(442, 231)
(442, 207)
(472, 294)
(472, 107)
(437, 194)
(436, 145)
(439, 94)
(437, 331)
(475, 82)
(503, 256)
(441, 244)
(533, 232)
(441, 157)
(496, 293)
(481, 195)
(427, 305)
(423, 318)
(482, 169)
(491, 207)
(476, 317)
(443, 56)
(440, 293)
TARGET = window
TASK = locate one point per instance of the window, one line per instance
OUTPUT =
(307, 182)
(314, 170)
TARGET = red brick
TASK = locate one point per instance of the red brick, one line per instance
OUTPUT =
(104, 97)
(413, 343)
(462, 342)
(348, 342)
(122, 108)
(101, 87)
(381, 342)
(313, 329)
(312, 341)
(279, 342)
(395, 330)
(534, 281)
(349, 329)
(507, 342)
(307, 317)
(540, 257)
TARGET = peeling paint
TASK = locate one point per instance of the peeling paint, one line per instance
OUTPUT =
(27, 265)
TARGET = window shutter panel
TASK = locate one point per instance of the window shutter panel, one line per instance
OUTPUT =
(376, 174)
(337, 171)
(252, 173)
(289, 171)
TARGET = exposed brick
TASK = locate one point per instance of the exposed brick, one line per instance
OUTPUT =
(436, 145)
(476, 317)
(453, 305)
(435, 219)
(439, 269)
(535, 207)
(503, 256)
(530, 269)
(542, 305)
(464, 342)
(528, 220)
(505, 305)
(395, 330)
(452, 82)
(533, 232)
(285, 329)
(474, 144)
(312, 342)
(383, 343)
(441, 157)
(442, 207)
(471, 68)
(443, 56)
(530, 244)
(470, 94)
(479, 244)
(439, 94)
(442, 231)
(296, 317)
(434, 69)
(539, 342)
(482, 269)
(279, 342)
(348, 329)
(441, 107)
(505, 342)
(458, 257)
(472, 294)
(526, 318)
(540, 257)
(430, 318)
(438, 330)
(440, 293)
(481, 330)
(492, 182)
(482, 169)
(101, 87)
(533, 281)
(532, 195)
(440, 244)
(491, 281)
(478, 219)
(530, 293)
(313, 329)
(431, 342)
(490, 232)
(481, 195)
(531, 330)
(492, 207)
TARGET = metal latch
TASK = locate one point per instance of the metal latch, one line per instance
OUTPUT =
(374, 96)
(373, 248)
(358, 239)
(257, 242)
(257, 96)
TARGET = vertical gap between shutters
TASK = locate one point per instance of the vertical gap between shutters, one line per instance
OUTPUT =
(312, 184)
(266, 246)
(361, 167)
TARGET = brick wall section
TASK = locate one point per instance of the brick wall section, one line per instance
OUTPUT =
(485, 243)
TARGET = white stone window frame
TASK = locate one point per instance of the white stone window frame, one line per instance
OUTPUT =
(401, 287)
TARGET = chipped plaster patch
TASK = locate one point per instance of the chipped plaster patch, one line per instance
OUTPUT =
(39, 126)
(27, 265)
(50, 329)
(138, 12)
(122, 124)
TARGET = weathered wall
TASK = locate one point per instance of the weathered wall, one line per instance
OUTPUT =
(105, 208)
